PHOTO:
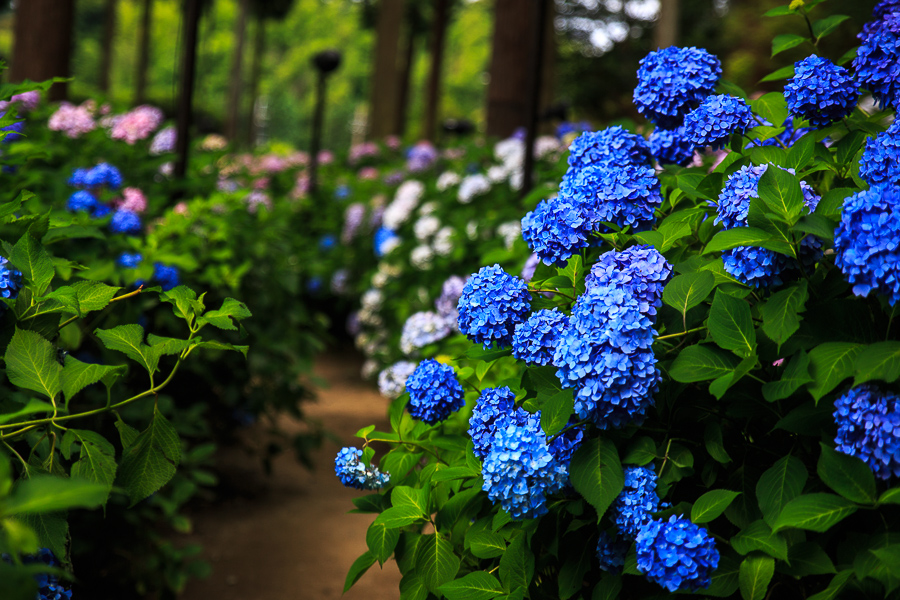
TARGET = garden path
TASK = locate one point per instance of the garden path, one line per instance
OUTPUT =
(291, 538)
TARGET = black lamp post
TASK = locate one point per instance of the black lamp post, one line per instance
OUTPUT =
(325, 62)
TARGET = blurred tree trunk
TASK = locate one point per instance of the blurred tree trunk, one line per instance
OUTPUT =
(433, 97)
(185, 102)
(385, 75)
(666, 32)
(140, 88)
(235, 85)
(507, 94)
(106, 48)
(43, 42)
(259, 43)
(405, 75)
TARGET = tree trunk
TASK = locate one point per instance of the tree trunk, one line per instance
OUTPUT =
(507, 94)
(106, 47)
(43, 42)
(259, 46)
(433, 97)
(385, 75)
(235, 84)
(666, 32)
(191, 21)
(140, 89)
(405, 74)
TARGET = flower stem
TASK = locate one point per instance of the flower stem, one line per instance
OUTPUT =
(674, 335)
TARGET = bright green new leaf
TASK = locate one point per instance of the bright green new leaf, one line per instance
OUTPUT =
(97, 458)
(31, 363)
(847, 475)
(823, 27)
(478, 585)
(129, 340)
(712, 504)
(739, 236)
(813, 512)
(149, 462)
(731, 325)
(400, 516)
(755, 574)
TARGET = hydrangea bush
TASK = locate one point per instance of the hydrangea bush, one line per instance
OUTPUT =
(693, 386)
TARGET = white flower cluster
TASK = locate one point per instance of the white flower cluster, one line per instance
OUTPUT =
(392, 381)
(472, 186)
(385, 274)
(510, 232)
(405, 201)
(426, 227)
(442, 244)
(447, 180)
(421, 329)
(421, 257)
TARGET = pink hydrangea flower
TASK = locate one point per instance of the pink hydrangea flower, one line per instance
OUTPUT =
(368, 173)
(72, 120)
(181, 209)
(137, 124)
(257, 198)
(134, 201)
(326, 157)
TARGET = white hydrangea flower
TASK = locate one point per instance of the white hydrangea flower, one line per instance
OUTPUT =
(369, 369)
(372, 299)
(405, 201)
(516, 179)
(447, 180)
(426, 227)
(471, 186)
(497, 173)
(392, 381)
(421, 329)
(546, 146)
(428, 208)
(510, 232)
(472, 230)
(421, 257)
(511, 152)
(443, 241)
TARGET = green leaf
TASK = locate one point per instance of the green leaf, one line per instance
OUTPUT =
(48, 494)
(779, 485)
(450, 473)
(608, 588)
(77, 375)
(93, 295)
(487, 544)
(34, 406)
(712, 437)
(556, 410)
(712, 504)
(802, 151)
(222, 318)
(725, 580)
(782, 194)
(786, 41)
(823, 27)
(381, 541)
(149, 462)
(779, 74)
(739, 236)
(817, 225)
(129, 340)
(97, 458)
(184, 302)
(702, 362)
(214, 345)
(358, 569)
(847, 475)
(686, 291)
(31, 363)
(780, 11)
(403, 495)
(830, 364)
(435, 561)
(576, 562)
(889, 557)
(759, 536)
(52, 530)
(878, 361)
(890, 497)
(813, 512)
(755, 575)
(640, 452)
(781, 312)
(412, 587)
(478, 585)
(731, 325)
(400, 516)
(771, 107)
(832, 201)
(30, 257)
(517, 564)
(808, 558)
(722, 384)
(834, 588)
(796, 375)
(596, 473)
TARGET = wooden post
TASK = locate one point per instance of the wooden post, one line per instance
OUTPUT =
(382, 120)
(433, 98)
(325, 63)
(106, 47)
(143, 63)
(191, 22)
(43, 40)
(539, 8)
(235, 85)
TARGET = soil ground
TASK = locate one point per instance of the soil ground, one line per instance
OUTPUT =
(288, 535)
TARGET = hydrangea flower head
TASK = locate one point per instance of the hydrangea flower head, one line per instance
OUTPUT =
(494, 408)
(392, 381)
(610, 147)
(625, 195)
(103, 174)
(421, 329)
(353, 473)
(446, 304)
(10, 279)
(867, 242)
(129, 260)
(756, 267)
(327, 242)
(133, 200)
(136, 124)
(880, 162)
(14, 131)
(676, 554)
(520, 471)
(385, 241)
(77, 178)
(671, 147)
(125, 221)
(875, 65)
(473, 186)
(557, 228)
(637, 501)
(530, 266)
(493, 302)
(72, 120)
(868, 427)
(717, 117)
(673, 80)
(353, 220)
(81, 200)
(49, 587)
(164, 141)
(640, 269)
(820, 91)
(434, 392)
(166, 276)
(611, 553)
(535, 339)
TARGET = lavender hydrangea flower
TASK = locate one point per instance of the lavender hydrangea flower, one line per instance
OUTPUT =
(392, 381)
(446, 304)
(868, 427)
(434, 392)
(421, 329)
(717, 117)
(820, 91)
(672, 81)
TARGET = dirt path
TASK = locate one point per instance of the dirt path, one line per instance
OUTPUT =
(294, 539)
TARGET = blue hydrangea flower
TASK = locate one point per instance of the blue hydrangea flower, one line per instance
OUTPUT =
(820, 91)
(886, 17)
(15, 131)
(434, 392)
(103, 174)
(493, 302)
(676, 554)
(633, 507)
(392, 381)
(716, 119)
(876, 63)
(49, 587)
(640, 269)
(353, 473)
(81, 200)
(626, 195)
(734, 199)
(10, 279)
(880, 162)
(327, 242)
(494, 408)
(611, 553)
(520, 471)
(564, 445)
(535, 339)
(867, 242)
(421, 329)
(77, 178)
(868, 427)
(125, 221)
(314, 285)
(671, 147)
(129, 261)
(101, 210)
(385, 240)
(610, 147)
(567, 127)
(672, 81)
(167, 277)
(557, 228)
(756, 267)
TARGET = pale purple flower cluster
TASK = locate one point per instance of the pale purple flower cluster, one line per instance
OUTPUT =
(164, 141)
(72, 120)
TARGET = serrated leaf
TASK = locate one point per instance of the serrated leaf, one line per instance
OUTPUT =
(596, 473)
(795, 376)
(52, 530)
(731, 325)
(129, 340)
(435, 561)
(30, 257)
(97, 458)
(759, 536)
(222, 318)
(47, 494)
(31, 363)
(779, 485)
(358, 569)
(813, 512)
(712, 504)
(771, 107)
(829, 364)
(149, 461)
(487, 545)
(400, 516)
(77, 375)
(781, 312)
(32, 407)
(517, 564)
(847, 475)
(477, 585)
(755, 574)
(686, 291)
(182, 299)
(702, 362)
(878, 361)
(739, 236)
(782, 194)
(214, 345)
(381, 541)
